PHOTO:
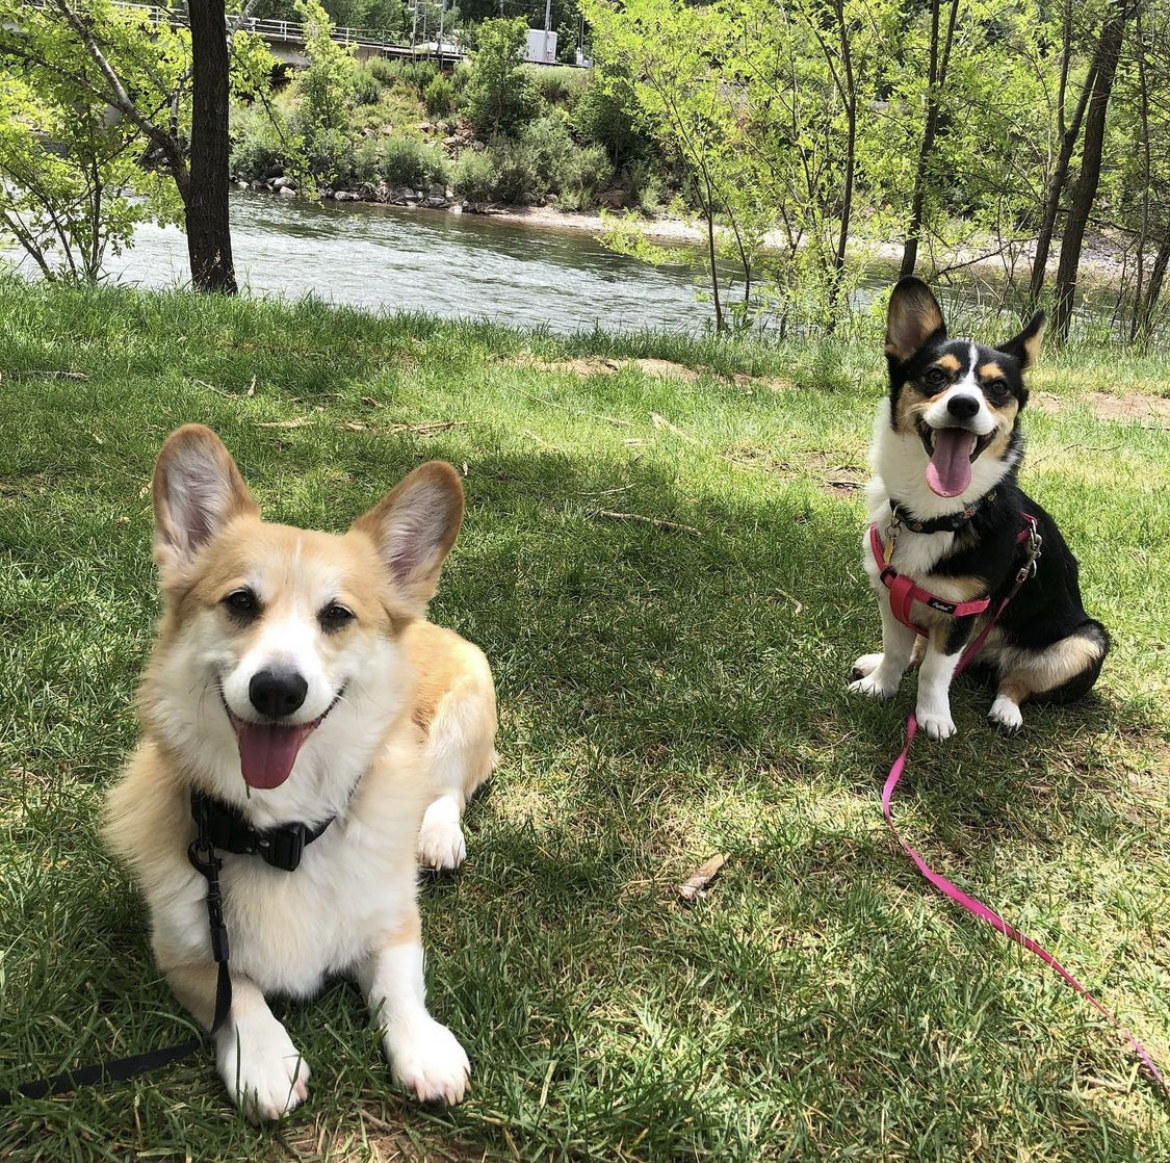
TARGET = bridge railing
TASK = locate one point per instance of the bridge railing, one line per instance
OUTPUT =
(289, 31)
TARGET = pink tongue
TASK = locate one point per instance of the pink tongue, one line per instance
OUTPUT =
(267, 754)
(949, 471)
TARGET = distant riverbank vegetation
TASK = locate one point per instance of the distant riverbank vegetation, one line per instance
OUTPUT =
(492, 131)
(802, 140)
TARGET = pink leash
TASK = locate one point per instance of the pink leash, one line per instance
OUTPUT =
(978, 908)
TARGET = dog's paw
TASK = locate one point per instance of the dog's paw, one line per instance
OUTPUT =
(936, 725)
(427, 1059)
(873, 686)
(1006, 715)
(440, 839)
(264, 1072)
(866, 665)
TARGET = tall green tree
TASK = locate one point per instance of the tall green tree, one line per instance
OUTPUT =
(105, 62)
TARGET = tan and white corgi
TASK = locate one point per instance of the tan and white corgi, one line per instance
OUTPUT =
(295, 681)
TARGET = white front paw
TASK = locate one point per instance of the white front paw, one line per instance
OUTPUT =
(1006, 714)
(427, 1059)
(440, 839)
(936, 724)
(866, 665)
(876, 685)
(264, 1072)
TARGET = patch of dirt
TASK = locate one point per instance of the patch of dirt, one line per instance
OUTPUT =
(1132, 406)
(832, 477)
(659, 369)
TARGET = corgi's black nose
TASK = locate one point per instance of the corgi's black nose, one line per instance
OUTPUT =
(962, 407)
(277, 693)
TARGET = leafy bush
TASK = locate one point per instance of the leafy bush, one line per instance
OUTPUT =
(603, 117)
(558, 86)
(474, 176)
(383, 69)
(329, 157)
(518, 179)
(402, 161)
(439, 96)
(499, 93)
(364, 88)
(559, 165)
(256, 144)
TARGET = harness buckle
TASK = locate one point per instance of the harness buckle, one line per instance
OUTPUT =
(1035, 544)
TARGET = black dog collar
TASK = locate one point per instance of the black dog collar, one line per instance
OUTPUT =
(226, 828)
(948, 523)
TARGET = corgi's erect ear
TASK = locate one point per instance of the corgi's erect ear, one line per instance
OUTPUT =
(1026, 346)
(197, 491)
(413, 528)
(912, 318)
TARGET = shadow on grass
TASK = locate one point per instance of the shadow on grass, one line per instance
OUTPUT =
(663, 694)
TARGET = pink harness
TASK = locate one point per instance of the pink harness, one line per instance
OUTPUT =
(900, 600)
(904, 593)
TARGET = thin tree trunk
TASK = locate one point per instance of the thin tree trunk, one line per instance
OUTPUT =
(937, 80)
(1069, 134)
(209, 239)
(1149, 302)
(848, 90)
(1105, 59)
(1144, 235)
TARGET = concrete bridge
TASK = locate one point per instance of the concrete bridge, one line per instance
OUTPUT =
(286, 38)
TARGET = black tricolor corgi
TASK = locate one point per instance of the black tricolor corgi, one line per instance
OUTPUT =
(948, 515)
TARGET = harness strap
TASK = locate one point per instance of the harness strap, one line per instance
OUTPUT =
(948, 888)
(904, 592)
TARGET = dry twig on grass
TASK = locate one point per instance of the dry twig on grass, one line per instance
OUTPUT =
(657, 522)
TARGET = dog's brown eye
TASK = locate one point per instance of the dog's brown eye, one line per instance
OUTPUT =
(243, 602)
(335, 616)
(935, 377)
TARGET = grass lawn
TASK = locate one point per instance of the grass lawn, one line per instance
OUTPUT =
(666, 693)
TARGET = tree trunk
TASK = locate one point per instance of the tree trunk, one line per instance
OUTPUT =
(848, 90)
(209, 239)
(937, 79)
(1148, 304)
(1105, 66)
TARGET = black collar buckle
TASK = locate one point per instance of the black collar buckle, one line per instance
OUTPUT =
(225, 827)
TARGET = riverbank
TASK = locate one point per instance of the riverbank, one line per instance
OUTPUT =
(661, 562)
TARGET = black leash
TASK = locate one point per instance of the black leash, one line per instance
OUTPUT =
(201, 853)
(219, 826)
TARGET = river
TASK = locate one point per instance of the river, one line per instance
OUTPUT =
(453, 265)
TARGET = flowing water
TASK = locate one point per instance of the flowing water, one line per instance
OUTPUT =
(472, 266)
(453, 265)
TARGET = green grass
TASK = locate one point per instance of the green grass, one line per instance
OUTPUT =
(664, 695)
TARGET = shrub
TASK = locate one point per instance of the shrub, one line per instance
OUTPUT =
(474, 176)
(383, 69)
(402, 161)
(364, 88)
(417, 75)
(439, 96)
(329, 157)
(559, 165)
(560, 85)
(256, 144)
(601, 117)
(499, 93)
(518, 178)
